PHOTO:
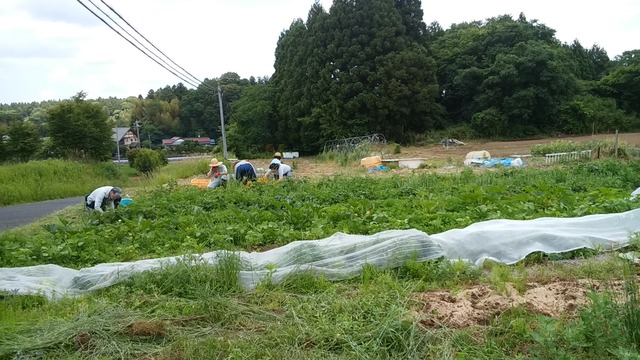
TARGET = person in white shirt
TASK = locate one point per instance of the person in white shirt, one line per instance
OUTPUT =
(103, 197)
(279, 170)
(217, 174)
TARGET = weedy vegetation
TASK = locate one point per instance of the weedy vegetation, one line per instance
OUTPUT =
(599, 148)
(55, 179)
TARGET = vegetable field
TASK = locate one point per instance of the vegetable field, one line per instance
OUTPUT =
(195, 312)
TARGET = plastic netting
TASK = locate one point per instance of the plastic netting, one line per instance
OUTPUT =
(342, 256)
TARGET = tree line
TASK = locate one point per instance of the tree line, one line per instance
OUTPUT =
(375, 66)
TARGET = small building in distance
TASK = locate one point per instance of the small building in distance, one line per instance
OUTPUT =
(124, 136)
(177, 141)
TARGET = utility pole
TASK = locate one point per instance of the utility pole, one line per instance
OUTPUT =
(118, 145)
(138, 134)
(224, 136)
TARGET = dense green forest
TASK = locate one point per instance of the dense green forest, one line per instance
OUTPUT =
(376, 67)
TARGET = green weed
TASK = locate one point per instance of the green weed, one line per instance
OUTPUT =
(54, 179)
(192, 278)
(599, 148)
(438, 274)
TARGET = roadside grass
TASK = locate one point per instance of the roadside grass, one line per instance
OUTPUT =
(57, 179)
(54, 179)
(172, 172)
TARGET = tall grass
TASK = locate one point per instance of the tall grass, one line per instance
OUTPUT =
(601, 148)
(175, 171)
(54, 179)
(194, 310)
(352, 155)
(57, 179)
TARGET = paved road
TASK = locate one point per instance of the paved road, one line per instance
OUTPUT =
(18, 215)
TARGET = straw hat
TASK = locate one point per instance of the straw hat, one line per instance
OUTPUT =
(277, 155)
(214, 162)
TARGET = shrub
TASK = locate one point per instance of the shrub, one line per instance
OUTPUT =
(397, 149)
(146, 160)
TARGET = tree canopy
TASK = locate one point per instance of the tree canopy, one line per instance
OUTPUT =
(358, 69)
(374, 66)
(79, 129)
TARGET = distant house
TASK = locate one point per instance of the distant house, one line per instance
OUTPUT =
(177, 141)
(204, 141)
(173, 142)
(124, 136)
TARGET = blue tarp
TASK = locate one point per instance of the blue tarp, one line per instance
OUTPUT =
(502, 162)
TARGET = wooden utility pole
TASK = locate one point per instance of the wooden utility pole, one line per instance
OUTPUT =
(138, 134)
(118, 145)
(224, 135)
(616, 146)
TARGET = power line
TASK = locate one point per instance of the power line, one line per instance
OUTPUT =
(138, 41)
(200, 83)
(137, 32)
(134, 45)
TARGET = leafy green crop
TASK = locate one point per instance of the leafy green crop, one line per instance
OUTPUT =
(174, 220)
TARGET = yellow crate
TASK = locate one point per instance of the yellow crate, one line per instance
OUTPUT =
(201, 183)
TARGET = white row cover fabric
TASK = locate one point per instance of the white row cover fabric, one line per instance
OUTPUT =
(341, 256)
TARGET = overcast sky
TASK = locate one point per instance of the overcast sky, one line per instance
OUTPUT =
(52, 49)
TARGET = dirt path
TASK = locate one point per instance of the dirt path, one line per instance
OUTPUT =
(311, 167)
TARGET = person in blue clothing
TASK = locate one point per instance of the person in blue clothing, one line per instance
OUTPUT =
(244, 171)
(102, 198)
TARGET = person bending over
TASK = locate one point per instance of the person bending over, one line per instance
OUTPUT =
(279, 170)
(102, 198)
(244, 171)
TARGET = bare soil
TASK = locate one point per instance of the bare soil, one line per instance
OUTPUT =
(478, 305)
(439, 158)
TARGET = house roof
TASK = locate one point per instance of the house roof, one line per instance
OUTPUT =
(171, 141)
(176, 140)
(201, 140)
(119, 132)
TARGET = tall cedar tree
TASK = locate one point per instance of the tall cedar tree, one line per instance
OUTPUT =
(359, 69)
(251, 119)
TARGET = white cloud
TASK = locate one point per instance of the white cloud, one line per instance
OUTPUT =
(53, 49)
